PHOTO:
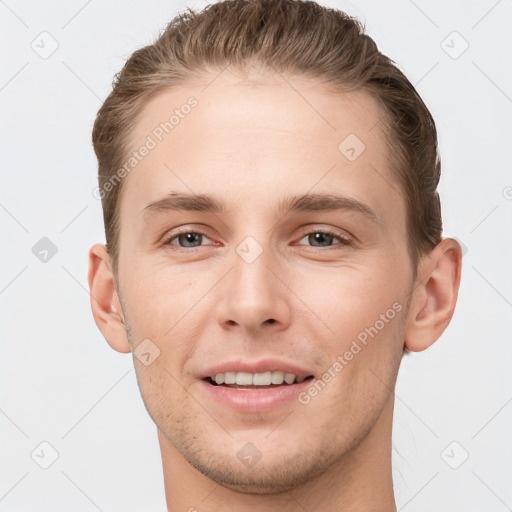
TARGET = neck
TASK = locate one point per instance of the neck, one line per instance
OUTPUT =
(360, 481)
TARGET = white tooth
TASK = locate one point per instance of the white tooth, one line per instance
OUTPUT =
(230, 378)
(277, 377)
(289, 378)
(262, 379)
(244, 379)
(256, 379)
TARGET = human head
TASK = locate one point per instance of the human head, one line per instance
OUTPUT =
(267, 127)
(289, 36)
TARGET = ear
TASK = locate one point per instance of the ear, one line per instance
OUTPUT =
(105, 304)
(434, 295)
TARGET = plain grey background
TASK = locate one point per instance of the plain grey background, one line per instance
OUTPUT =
(62, 385)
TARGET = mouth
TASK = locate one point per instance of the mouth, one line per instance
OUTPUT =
(257, 387)
(254, 381)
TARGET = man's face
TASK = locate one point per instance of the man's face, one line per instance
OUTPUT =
(260, 287)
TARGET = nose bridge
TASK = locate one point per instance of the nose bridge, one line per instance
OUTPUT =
(253, 296)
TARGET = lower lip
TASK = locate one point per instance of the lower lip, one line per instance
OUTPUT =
(255, 400)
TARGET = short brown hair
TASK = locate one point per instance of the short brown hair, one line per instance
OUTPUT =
(296, 36)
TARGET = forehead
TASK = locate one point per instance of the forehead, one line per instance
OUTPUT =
(260, 134)
(304, 107)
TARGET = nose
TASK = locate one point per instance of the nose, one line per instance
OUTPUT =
(254, 295)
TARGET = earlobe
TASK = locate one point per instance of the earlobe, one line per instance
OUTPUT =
(105, 304)
(434, 295)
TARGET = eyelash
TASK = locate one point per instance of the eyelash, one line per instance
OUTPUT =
(344, 241)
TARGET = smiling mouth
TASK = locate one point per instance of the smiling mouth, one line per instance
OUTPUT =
(256, 393)
(267, 380)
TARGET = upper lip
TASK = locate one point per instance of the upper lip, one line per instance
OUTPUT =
(261, 366)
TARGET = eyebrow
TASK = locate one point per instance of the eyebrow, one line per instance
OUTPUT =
(302, 203)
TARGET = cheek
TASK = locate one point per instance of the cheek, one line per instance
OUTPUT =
(157, 296)
(343, 302)
(161, 391)
(160, 308)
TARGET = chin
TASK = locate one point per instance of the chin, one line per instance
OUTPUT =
(276, 476)
(262, 481)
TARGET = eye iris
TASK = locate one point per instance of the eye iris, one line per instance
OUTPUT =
(189, 237)
(320, 237)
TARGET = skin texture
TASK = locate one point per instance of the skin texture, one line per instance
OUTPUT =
(251, 142)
